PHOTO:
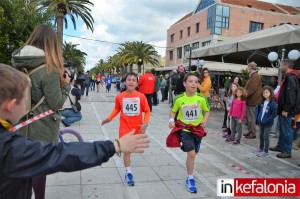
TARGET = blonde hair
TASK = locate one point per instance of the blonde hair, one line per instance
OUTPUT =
(244, 93)
(44, 37)
(13, 84)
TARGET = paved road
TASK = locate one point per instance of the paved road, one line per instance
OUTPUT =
(160, 172)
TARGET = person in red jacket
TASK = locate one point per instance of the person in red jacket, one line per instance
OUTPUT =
(146, 86)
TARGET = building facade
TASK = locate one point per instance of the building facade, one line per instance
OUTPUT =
(218, 20)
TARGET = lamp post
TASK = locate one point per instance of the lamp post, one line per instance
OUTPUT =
(276, 63)
(201, 63)
(140, 62)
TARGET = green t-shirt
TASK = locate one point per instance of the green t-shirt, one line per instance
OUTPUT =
(190, 108)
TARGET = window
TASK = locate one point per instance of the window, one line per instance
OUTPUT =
(186, 48)
(179, 53)
(204, 4)
(172, 37)
(189, 31)
(255, 26)
(171, 54)
(181, 34)
(197, 27)
(195, 45)
(206, 43)
(218, 18)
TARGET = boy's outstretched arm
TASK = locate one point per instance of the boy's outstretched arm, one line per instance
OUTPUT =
(112, 115)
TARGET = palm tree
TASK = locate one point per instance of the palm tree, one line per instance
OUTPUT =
(72, 8)
(138, 53)
(73, 55)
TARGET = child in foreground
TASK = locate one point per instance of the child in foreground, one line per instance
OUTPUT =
(21, 158)
(190, 106)
(131, 104)
(265, 118)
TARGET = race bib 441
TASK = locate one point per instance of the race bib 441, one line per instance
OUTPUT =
(191, 112)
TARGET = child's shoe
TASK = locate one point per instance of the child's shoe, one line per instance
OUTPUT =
(190, 185)
(129, 179)
(257, 151)
(236, 142)
(263, 154)
(229, 139)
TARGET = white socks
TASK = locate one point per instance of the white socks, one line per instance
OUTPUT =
(127, 170)
(190, 177)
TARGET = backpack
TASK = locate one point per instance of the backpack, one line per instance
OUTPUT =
(30, 108)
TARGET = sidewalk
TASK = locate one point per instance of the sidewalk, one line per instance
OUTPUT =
(160, 172)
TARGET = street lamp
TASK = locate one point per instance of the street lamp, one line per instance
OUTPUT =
(201, 63)
(276, 63)
(140, 62)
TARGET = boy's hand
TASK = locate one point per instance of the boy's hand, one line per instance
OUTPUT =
(203, 123)
(240, 121)
(171, 125)
(105, 121)
(131, 143)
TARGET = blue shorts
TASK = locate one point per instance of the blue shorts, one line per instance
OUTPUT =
(190, 141)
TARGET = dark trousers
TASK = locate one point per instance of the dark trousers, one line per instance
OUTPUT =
(39, 186)
(154, 96)
(149, 99)
(166, 93)
(225, 114)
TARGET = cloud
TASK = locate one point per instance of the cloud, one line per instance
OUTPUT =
(131, 20)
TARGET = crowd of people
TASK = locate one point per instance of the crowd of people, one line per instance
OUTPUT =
(28, 155)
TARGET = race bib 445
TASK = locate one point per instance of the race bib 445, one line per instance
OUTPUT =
(131, 106)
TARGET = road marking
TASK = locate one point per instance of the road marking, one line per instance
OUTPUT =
(182, 163)
(130, 191)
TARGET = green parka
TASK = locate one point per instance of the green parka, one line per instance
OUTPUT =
(43, 84)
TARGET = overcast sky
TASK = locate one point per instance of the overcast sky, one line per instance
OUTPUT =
(131, 20)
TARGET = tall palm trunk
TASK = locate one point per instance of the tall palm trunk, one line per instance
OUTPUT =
(130, 67)
(60, 26)
(139, 68)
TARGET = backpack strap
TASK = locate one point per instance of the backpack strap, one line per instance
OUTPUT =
(43, 98)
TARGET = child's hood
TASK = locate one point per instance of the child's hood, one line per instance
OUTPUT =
(28, 57)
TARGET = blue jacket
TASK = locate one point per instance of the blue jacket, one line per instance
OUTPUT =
(270, 114)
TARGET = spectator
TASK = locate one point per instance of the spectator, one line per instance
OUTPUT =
(146, 86)
(287, 108)
(87, 82)
(254, 98)
(162, 87)
(237, 80)
(205, 84)
(70, 116)
(273, 83)
(179, 88)
(156, 88)
(43, 47)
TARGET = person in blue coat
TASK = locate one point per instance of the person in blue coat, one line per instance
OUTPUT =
(265, 118)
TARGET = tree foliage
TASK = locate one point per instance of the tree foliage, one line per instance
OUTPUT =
(71, 8)
(15, 26)
(74, 56)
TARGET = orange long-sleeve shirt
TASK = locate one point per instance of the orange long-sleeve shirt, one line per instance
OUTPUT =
(131, 106)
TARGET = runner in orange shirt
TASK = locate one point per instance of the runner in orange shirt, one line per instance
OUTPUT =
(131, 104)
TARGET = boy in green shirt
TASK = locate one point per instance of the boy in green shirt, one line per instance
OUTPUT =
(190, 106)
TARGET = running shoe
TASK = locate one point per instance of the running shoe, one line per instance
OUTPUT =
(190, 185)
(129, 179)
(263, 154)
(257, 151)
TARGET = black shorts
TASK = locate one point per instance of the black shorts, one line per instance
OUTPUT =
(190, 141)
